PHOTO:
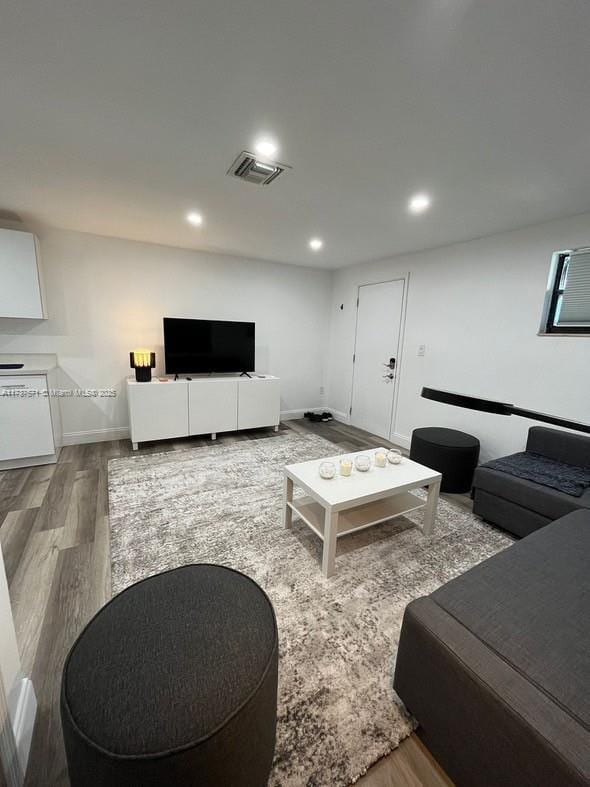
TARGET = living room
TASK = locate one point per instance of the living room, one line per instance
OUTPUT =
(384, 208)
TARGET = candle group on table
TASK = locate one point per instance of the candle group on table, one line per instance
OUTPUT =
(362, 463)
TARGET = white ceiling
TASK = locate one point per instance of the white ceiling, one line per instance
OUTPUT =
(118, 116)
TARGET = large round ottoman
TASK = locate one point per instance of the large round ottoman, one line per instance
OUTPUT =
(452, 453)
(174, 682)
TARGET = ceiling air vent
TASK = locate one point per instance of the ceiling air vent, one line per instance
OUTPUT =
(256, 170)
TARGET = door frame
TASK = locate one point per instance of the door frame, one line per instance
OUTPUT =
(405, 277)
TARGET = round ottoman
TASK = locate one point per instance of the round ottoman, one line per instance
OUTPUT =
(174, 682)
(452, 453)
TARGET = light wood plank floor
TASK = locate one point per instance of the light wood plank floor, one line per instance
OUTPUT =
(55, 538)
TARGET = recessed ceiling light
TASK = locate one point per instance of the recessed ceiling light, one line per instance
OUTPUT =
(315, 244)
(266, 146)
(194, 218)
(419, 203)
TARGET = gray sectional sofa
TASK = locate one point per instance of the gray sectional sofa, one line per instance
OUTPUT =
(495, 665)
(522, 506)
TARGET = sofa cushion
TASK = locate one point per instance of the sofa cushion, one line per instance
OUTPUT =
(574, 449)
(531, 605)
(543, 499)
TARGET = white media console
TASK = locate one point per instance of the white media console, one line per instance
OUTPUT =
(203, 405)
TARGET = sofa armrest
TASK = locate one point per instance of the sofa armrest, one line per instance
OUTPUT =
(477, 714)
(573, 449)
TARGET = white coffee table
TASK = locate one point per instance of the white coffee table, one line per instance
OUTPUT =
(338, 506)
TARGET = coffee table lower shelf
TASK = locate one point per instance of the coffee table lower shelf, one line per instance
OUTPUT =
(359, 517)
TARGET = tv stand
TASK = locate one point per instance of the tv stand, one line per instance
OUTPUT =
(203, 405)
(246, 374)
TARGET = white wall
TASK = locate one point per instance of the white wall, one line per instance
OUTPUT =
(107, 296)
(477, 307)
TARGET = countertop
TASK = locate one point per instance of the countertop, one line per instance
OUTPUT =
(38, 363)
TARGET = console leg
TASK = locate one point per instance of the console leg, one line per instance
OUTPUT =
(214, 435)
(277, 428)
(134, 446)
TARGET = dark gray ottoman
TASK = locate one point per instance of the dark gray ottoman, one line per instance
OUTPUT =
(452, 453)
(174, 682)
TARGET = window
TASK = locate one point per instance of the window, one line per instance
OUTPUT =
(567, 301)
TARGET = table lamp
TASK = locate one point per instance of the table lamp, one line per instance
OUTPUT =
(143, 361)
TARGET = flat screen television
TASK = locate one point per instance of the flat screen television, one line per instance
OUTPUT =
(200, 346)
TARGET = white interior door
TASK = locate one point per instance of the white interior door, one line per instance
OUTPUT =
(378, 328)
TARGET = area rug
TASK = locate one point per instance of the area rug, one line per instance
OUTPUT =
(338, 713)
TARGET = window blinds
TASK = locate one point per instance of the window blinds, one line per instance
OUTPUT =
(574, 309)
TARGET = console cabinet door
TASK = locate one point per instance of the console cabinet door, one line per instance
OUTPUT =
(25, 419)
(259, 403)
(212, 406)
(157, 410)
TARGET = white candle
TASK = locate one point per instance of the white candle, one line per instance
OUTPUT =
(380, 458)
(345, 467)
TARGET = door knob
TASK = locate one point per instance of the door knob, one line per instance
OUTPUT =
(389, 376)
(390, 364)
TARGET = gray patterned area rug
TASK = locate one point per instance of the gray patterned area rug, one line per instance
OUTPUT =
(338, 713)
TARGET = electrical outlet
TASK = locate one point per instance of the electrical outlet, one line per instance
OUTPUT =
(421, 349)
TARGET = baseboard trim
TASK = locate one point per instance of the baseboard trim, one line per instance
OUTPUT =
(122, 432)
(401, 439)
(342, 417)
(96, 435)
(291, 415)
(29, 461)
(25, 710)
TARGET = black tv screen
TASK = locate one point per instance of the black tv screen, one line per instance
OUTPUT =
(193, 346)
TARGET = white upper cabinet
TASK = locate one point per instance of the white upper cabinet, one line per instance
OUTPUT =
(20, 280)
